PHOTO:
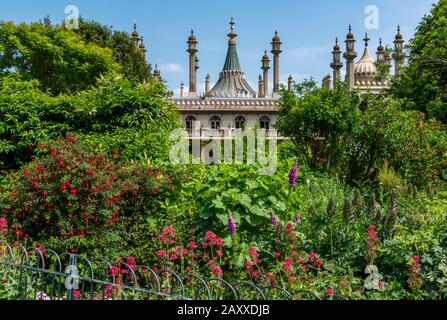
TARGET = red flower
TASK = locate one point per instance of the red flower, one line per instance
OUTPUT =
(73, 192)
(312, 256)
(277, 254)
(192, 245)
(289, 228)
(114, 271)
(3, 225)
(330, 292)
(217, 271)
(253, 255)
(53, 152)
(173, 257)
(318, 263)
(168, 235)
(26, 173)
(248, 265)
(161, 253)
(287, 265)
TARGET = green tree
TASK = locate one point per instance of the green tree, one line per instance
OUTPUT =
(133, 63)
(423, 83)
(56, 57)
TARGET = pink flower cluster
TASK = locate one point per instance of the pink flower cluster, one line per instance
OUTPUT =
(3, 226)
(168, 235)
(372, 246)
(415, 279)
(212, 240)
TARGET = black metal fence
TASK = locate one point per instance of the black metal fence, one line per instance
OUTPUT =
(41, 274)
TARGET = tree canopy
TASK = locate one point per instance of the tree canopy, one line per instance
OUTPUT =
(423, 84)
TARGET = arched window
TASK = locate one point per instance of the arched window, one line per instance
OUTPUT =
(215, 122)
(239, 122)
(264, 122)
(190, 122)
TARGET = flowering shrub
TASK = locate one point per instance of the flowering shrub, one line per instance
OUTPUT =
(415, 279)
(71, 192)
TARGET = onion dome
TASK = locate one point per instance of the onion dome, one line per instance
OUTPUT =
(365, 70)
(192, 37)
(350, 35)
(135, 32)
(142, 47)
(399, 36)
(380, 48)
(336, 47)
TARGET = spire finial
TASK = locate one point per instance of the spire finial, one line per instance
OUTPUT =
(350, 28)
(366, 39)
(135, 25)
(380, 41)
(232, 23)
(336, 40)
(398, 28)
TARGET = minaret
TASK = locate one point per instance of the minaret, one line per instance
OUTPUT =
(260, 87)
(193, 66)
(350, 55)
(266, 67)
(142, 47)
(182, 89)
(336, 64)
(290, 83)
(135, 36)
(381, 54)
(398, 55)
(157, 74)
(207, 84)
(276, 50)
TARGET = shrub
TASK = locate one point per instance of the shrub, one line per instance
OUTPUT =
(71, 192)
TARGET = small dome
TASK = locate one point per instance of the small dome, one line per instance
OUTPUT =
(350, 35)
(380, 48)
(399, 36)
(266, 56)
(365, 68)
(192, 37)
(276, 38)
(336, 47)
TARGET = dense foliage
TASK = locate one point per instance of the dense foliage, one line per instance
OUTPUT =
(354, 136)
(423, 84)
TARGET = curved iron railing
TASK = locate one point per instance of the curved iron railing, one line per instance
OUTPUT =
(39, 275)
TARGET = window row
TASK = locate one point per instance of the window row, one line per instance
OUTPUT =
(239, 121)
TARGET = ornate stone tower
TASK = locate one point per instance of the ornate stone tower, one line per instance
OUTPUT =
(350, 56)
(336, 64)
(265, 67)
(398, 54)
(290, 83)
(260, 87)
(193, 65)
(135, 36)
(207, 84)
(142, 47)
(157, 73)
(381, 53)
(276, 50)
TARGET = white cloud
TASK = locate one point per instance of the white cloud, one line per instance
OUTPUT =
(171, 68)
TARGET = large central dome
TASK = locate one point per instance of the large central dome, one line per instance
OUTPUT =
(232, 83)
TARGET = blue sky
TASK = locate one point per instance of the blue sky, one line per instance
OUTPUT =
(307, 29)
